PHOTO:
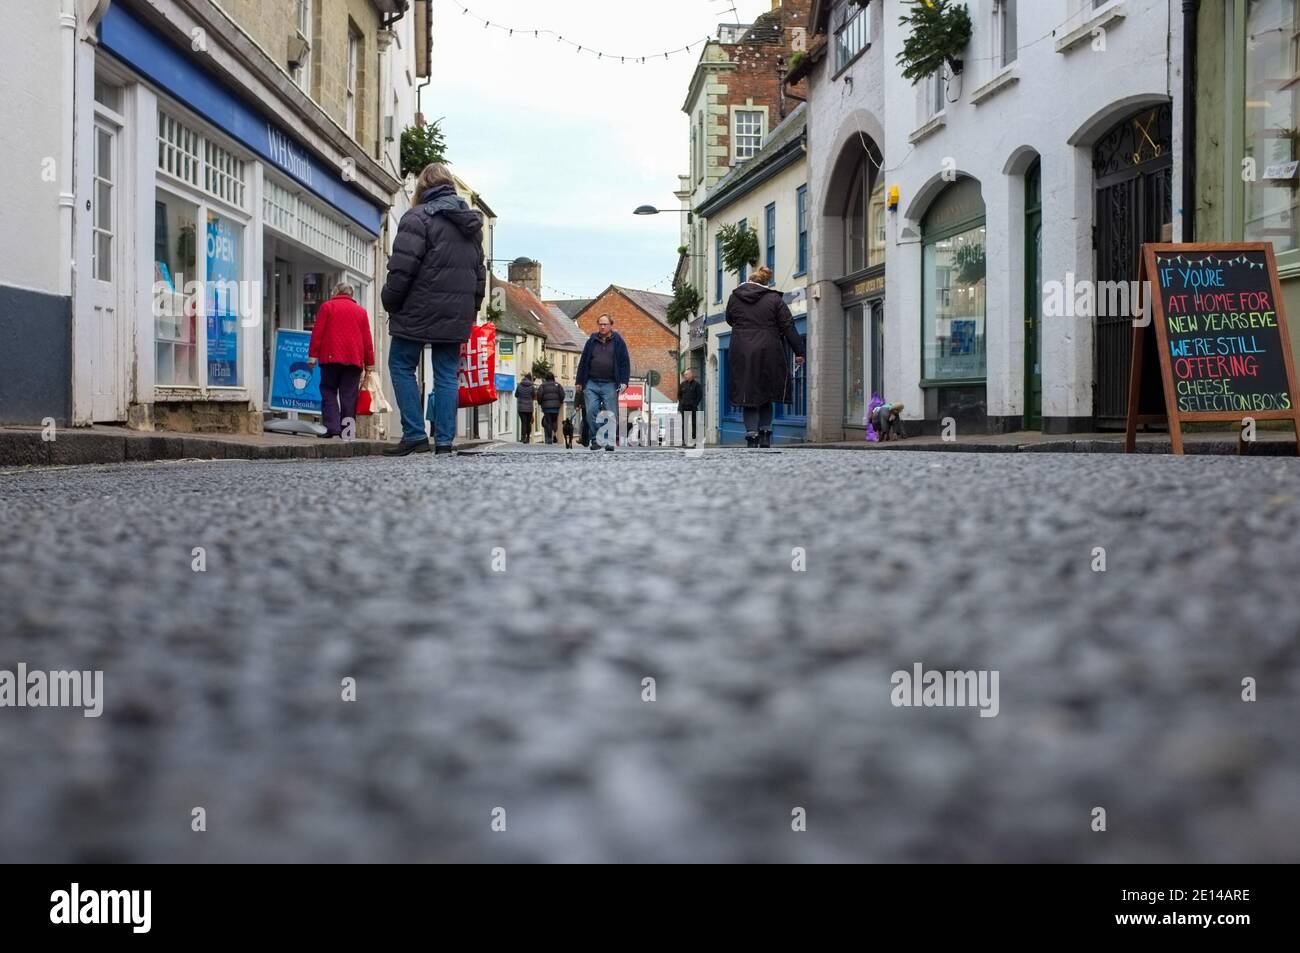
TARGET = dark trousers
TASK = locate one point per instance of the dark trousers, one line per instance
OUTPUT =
(339, 385)
(526, 426)
(688, 433)
(550, 419)
(758, 418)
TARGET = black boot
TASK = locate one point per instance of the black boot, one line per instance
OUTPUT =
(765, 438)
(404, 448)
(751, 439)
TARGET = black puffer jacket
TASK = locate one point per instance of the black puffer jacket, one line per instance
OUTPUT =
(758, 371)
(525, 393)
(551, 396)
(436, 275)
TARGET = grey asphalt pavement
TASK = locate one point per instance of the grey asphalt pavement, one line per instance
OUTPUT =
(522, 689)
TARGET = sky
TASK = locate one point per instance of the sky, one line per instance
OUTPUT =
(563, 146)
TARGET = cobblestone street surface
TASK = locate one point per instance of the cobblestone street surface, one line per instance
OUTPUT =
(522, 689)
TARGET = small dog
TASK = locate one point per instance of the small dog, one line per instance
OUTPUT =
(887, 421)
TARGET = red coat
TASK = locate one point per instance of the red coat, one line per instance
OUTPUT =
(342, 334)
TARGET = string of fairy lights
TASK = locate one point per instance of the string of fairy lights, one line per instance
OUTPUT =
(1211, 259)
(539, 33)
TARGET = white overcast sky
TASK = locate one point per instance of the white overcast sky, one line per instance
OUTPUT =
(563, 147)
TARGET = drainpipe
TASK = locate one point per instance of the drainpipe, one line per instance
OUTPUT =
(67, 118)
(1190, 10)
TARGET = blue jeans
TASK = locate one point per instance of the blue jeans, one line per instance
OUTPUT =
(598, 394)
(403, 358)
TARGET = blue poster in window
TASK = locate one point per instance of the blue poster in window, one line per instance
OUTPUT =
(295, 385)
(963, 337)
(223, 303)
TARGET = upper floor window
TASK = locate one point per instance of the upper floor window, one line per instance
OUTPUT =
(852, 31)
(935, 90)
(1004, 33)
(744, 269)
(354, 56)
(769, 227)
(749, 133)
(302, 68)
(802, 214)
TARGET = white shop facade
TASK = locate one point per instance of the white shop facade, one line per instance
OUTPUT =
(214, 228)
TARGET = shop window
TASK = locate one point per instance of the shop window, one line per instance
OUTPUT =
(1271, 120)
(175, 305)
(855, 368)
(953, 286)
(222, 311)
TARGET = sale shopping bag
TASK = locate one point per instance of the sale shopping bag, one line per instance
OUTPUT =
(478, 359)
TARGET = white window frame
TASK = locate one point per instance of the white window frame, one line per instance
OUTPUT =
(936, 94)
(302, 72)
(853, 36)
(1004, 33)
(745, 111)
(354, 63)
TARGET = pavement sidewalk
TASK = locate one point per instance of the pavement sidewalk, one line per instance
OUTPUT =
(1267, 443)
(80, 446)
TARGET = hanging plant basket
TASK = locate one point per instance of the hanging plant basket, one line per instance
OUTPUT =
(940, 31)
(739, 247)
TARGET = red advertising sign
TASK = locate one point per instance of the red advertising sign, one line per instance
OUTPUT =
(634, 396)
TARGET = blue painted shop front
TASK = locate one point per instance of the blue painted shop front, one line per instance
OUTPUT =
(789, 421)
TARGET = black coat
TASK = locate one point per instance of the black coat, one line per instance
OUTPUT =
(551, 396)
(436, 275)
(690, 395)
(758, 371)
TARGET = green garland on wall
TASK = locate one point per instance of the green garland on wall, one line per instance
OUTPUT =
(940, 32)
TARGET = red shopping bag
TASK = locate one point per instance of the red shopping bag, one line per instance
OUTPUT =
(478, 367)
(363, 403)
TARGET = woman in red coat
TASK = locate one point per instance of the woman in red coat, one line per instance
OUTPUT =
(341, 342)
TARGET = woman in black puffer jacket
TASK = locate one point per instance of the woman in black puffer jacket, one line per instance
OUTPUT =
(436, 282)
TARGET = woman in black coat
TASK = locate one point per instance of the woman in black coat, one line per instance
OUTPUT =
(436, 282)
(758, 374)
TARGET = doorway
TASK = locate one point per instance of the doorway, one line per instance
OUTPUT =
(1034, 298)
(108, 375)
(1133, 169)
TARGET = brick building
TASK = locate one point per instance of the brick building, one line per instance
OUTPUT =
(737, 96)
(641, 317)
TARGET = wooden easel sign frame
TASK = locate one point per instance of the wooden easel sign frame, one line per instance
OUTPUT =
(1219, 320)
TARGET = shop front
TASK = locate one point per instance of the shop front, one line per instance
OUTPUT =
(247, 233)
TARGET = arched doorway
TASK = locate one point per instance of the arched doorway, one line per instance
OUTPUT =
(1133, 171)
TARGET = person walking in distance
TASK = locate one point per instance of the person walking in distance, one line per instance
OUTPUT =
(758, 374)
(341, 342)
(690, 398)
(603, 372)
(436, 282)
(551, 396)
(525, 394)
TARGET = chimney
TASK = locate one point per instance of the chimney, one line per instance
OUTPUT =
(527, 274)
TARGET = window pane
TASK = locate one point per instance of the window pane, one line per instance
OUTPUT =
(1271, 120)
(954, 307)
(855, 227)
(855, 404)
(876, 226)
(225, 266)
(175, 257)
(103, 264)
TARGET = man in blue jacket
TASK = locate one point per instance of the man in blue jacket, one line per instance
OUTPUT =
(603, 373)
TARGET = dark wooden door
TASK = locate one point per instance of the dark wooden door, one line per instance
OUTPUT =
(1133, 170)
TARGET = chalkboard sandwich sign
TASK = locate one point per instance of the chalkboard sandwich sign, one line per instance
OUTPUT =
(1220, 328)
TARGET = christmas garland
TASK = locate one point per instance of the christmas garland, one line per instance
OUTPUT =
(940, 31)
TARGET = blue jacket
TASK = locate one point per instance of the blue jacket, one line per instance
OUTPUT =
(622, 361)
